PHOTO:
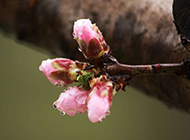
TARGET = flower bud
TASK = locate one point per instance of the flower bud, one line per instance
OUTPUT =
(72, 101)
(59, 71)
(99, 101)
(90, 39)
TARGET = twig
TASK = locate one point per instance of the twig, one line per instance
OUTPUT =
(121, 69)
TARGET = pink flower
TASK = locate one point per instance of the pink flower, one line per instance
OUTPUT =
(72, 101)
(59, 71)
(90, 39)
(99, 101)
(96, 101)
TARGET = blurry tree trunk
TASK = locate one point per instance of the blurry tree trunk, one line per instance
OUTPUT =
(138, 32)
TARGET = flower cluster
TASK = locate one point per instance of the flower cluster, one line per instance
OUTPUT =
(99, 78)
(96, 100)
(95, 91)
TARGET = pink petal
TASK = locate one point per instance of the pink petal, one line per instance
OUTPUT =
(46, 67)
(72, 101)
(99, 102)
(83, 29)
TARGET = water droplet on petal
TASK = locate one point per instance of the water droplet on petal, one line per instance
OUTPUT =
(108, 113)
(80, 33)
(60, 83)
(62, 113)
(102, 119)
(55, 106)
(81, 99)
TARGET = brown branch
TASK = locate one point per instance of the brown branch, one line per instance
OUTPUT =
(121, 74)
(175, 68)
(138, 32)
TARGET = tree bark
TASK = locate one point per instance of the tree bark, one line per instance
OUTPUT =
(138, 32)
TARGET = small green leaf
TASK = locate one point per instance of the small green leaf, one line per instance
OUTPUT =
(84, 79)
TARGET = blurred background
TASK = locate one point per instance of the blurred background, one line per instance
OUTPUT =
(26, 111)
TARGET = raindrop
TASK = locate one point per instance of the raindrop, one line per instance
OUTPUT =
(80, 33)
(62, 113)
(81, 99)
(108, 113)
(102, 119)
(60, 83)
(55, 106)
